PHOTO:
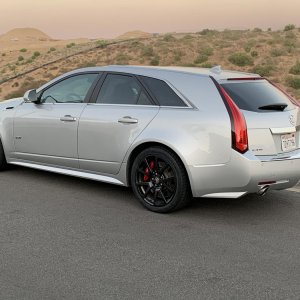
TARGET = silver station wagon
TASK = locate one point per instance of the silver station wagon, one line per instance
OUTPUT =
(170, 133)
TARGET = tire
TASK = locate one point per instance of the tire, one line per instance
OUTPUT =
(3, 163)
(159, 180)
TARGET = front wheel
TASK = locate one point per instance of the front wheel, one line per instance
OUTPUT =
(159, 180)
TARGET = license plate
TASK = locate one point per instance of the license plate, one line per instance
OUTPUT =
(288, 142)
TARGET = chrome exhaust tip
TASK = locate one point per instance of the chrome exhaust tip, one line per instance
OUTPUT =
(263, 190)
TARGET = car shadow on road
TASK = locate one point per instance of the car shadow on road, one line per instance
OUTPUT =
(273, 206)
(274, 203)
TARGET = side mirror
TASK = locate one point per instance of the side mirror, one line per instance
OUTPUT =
(31, 96)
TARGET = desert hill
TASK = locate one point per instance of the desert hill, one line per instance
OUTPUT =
(32, 38)
(24, 35)
(273, 54)
(134, 35)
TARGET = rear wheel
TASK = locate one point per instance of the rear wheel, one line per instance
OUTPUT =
(3, 163)
(159, 180)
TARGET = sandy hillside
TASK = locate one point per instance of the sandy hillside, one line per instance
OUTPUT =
(272, 54)
(24, 35)
(18, 38)
(26, 48)
(134, 35)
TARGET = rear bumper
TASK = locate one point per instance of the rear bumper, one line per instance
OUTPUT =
(243, 175)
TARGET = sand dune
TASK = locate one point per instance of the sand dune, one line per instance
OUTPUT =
(274, 54)
(24, 35)
(32, 38)
(134, 34)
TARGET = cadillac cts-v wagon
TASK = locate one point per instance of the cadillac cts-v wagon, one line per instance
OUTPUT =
(169, 133)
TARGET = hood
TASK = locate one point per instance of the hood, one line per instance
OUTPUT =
(12, 103)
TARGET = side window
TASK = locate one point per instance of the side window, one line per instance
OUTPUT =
(71, 90)
(122, 89)
(163, 93)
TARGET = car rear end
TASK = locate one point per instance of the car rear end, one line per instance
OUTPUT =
(265, 134)
(265, 139)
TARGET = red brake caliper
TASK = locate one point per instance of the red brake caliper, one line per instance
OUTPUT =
(147, 171)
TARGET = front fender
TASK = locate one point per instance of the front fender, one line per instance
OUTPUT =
(7, 112)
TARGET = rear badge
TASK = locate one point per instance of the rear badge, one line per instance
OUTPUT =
(257, 150)
(292, 120)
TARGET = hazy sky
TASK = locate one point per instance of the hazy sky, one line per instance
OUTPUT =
(97, 18)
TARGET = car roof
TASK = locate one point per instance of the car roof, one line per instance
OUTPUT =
(165, 72)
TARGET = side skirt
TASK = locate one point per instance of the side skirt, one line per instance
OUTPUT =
(70, 172)
(230, 195)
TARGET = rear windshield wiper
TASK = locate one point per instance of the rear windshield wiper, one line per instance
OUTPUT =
(279, 106)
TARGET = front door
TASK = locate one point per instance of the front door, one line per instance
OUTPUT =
(47, 132)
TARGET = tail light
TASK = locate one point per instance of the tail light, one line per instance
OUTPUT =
(238, 122)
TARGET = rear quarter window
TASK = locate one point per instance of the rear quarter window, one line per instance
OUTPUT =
(252, 96)
(162, 92)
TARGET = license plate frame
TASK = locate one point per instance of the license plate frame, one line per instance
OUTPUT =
(288, 142)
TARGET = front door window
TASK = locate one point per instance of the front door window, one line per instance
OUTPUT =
(71, 90)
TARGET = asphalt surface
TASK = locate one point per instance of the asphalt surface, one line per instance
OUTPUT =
(69, 238)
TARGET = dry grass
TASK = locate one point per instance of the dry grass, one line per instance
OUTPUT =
(272, 54)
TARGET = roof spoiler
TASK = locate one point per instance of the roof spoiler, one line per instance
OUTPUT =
(216, 70)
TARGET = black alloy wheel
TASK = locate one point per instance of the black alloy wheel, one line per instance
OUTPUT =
(159, 180)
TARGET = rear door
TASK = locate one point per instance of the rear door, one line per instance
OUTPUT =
(272, 120)
(121, 110)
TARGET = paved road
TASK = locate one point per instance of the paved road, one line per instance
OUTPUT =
(68, 238)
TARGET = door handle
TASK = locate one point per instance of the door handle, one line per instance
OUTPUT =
(128, 120)
(68, 118)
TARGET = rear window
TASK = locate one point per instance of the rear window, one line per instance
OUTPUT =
(162, 92)
(256, 96)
